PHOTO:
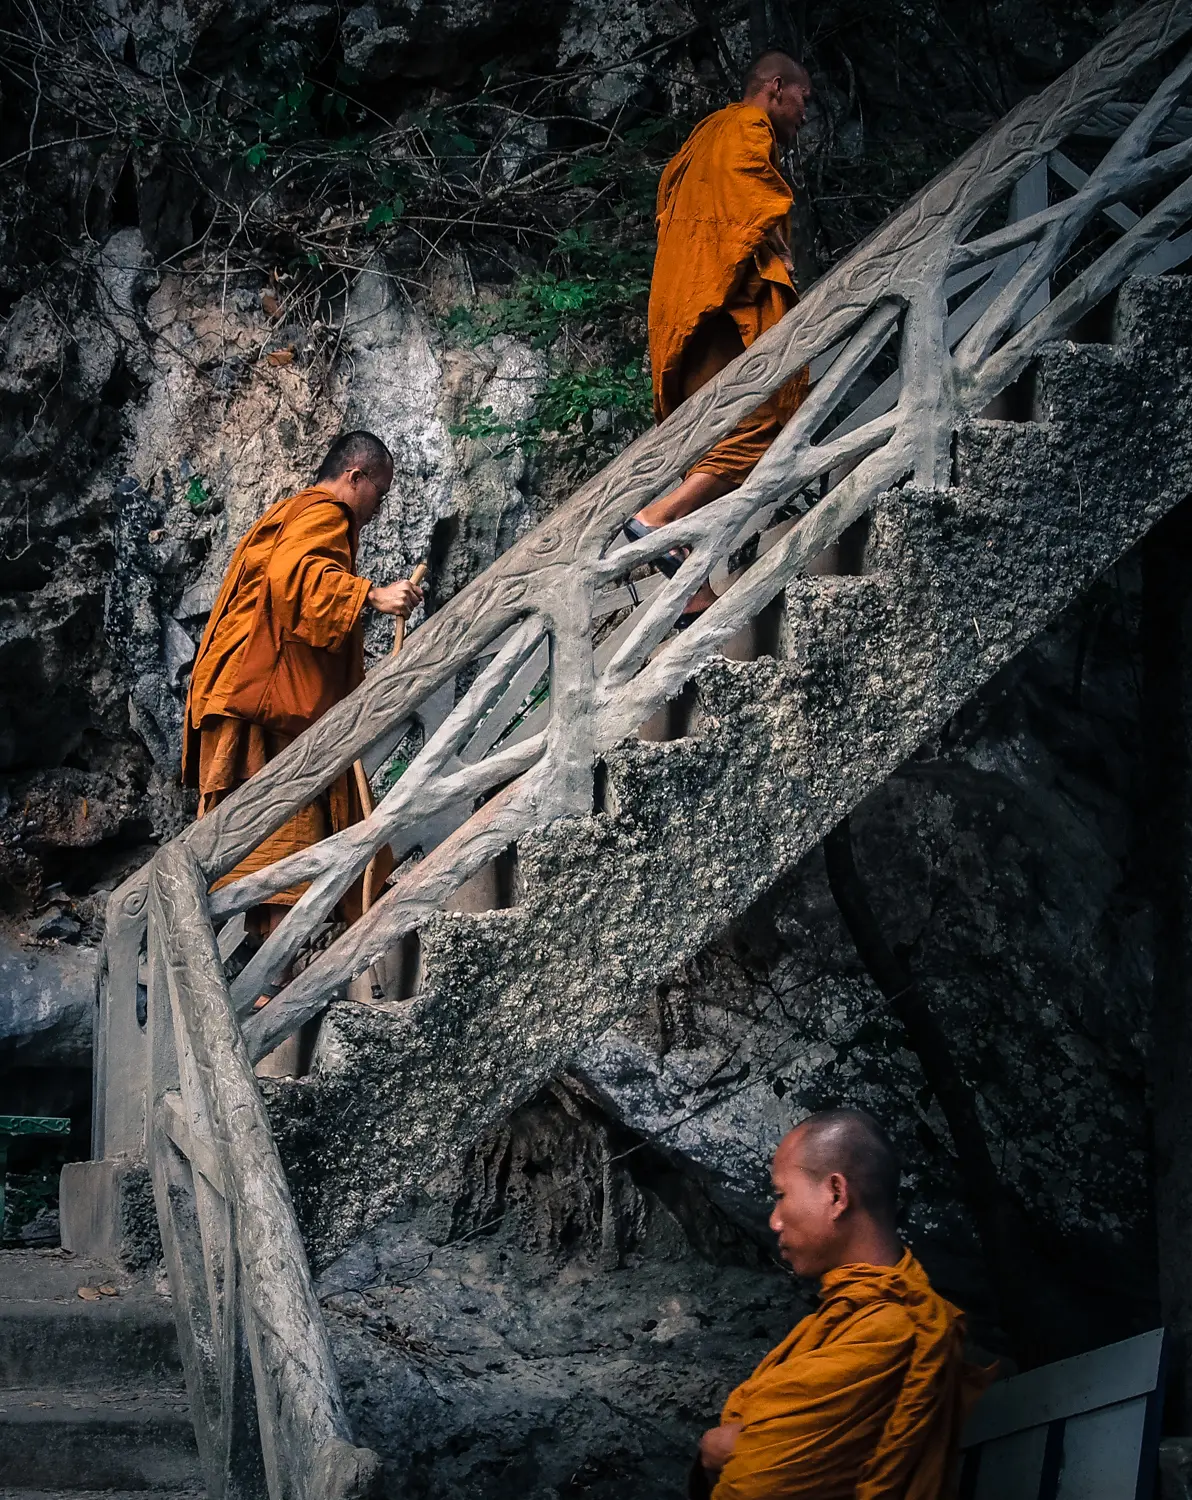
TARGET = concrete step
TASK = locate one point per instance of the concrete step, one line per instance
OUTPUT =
(54, 1439)
(49, 1335)
(193, 1492)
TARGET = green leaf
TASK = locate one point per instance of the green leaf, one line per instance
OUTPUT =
(382, 214)
(196, 494)
(256, 155)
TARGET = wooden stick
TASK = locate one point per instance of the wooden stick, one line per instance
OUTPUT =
(367, 892)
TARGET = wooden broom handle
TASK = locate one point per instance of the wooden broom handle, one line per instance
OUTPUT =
(363, 790)
(417, 578)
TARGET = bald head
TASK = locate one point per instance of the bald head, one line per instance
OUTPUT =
(780, 88)
(776, 67)
(836, 1193)
(356, 450)
(852, 1143)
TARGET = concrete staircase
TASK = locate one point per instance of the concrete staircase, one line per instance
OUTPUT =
(92, 1400)
(772, 753)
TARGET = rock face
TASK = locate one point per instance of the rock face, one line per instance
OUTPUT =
(564, 1315)
(47, 1004)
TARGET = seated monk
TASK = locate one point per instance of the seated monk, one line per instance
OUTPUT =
(283, 644)
(722, 276)
(865, 1399)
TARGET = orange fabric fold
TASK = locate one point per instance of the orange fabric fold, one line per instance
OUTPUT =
(295, 565)
(864, 1400)
(718, 281)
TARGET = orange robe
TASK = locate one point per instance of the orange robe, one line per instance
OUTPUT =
(283, 643)
(718, 282)
(864, 1400)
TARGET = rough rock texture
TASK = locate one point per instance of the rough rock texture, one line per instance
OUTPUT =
(563, 1315)
(47, 1003)
(1005, 859)
(779, 750)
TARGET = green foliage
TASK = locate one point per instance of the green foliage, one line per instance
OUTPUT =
(595, 297)
(196, 494)
(393, 773)
(385, 213)
(568, 411)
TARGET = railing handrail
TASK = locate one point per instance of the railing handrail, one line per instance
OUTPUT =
(221, 1127)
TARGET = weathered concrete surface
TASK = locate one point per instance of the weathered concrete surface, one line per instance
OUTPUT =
(91, 1394)
(106, 1210)
(957, 583)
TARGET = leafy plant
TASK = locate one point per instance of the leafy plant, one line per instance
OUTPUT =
(196, 494)
(567, 412)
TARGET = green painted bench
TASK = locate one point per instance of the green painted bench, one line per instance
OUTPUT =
(14, 1127)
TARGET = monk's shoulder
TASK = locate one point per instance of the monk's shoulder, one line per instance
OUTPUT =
(883, 1319)
(322, 520)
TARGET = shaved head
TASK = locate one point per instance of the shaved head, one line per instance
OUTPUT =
(776, 65)
(852, 1143)
(356, 450)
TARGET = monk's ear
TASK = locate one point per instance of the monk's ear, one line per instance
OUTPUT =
(841, 1197)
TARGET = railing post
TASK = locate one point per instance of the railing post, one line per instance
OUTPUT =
(106, 1203)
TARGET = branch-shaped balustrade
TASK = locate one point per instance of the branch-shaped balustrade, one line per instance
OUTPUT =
(887, 302)
(922, 326)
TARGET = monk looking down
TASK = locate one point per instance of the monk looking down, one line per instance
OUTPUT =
(283, 644)
(722, 276)
(865, 1399)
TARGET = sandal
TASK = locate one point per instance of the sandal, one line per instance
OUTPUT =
(670, 562)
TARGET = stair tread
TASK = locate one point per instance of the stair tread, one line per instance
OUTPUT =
(195, 1492)
(33, 1405)
(31, 1277)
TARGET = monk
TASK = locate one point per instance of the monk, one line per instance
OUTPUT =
(865, 1399)
(284, 642)
(722, 276)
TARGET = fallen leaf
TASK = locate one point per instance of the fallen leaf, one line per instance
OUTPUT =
(88, 1294)
(37, 1403)
(280, 356)
(108, 1291)
(270, 303)
(156, 536)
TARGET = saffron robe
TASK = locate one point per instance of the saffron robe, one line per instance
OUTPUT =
(864, 1400)
(283, 643)
(718, 281)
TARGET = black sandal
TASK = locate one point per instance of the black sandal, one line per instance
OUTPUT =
(670, 562)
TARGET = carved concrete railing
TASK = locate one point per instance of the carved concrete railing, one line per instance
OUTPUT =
(269, 1416)
(566, 648)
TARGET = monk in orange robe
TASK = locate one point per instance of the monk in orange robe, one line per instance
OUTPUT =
(866, 1398)
(722, 276)
(284, 642)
